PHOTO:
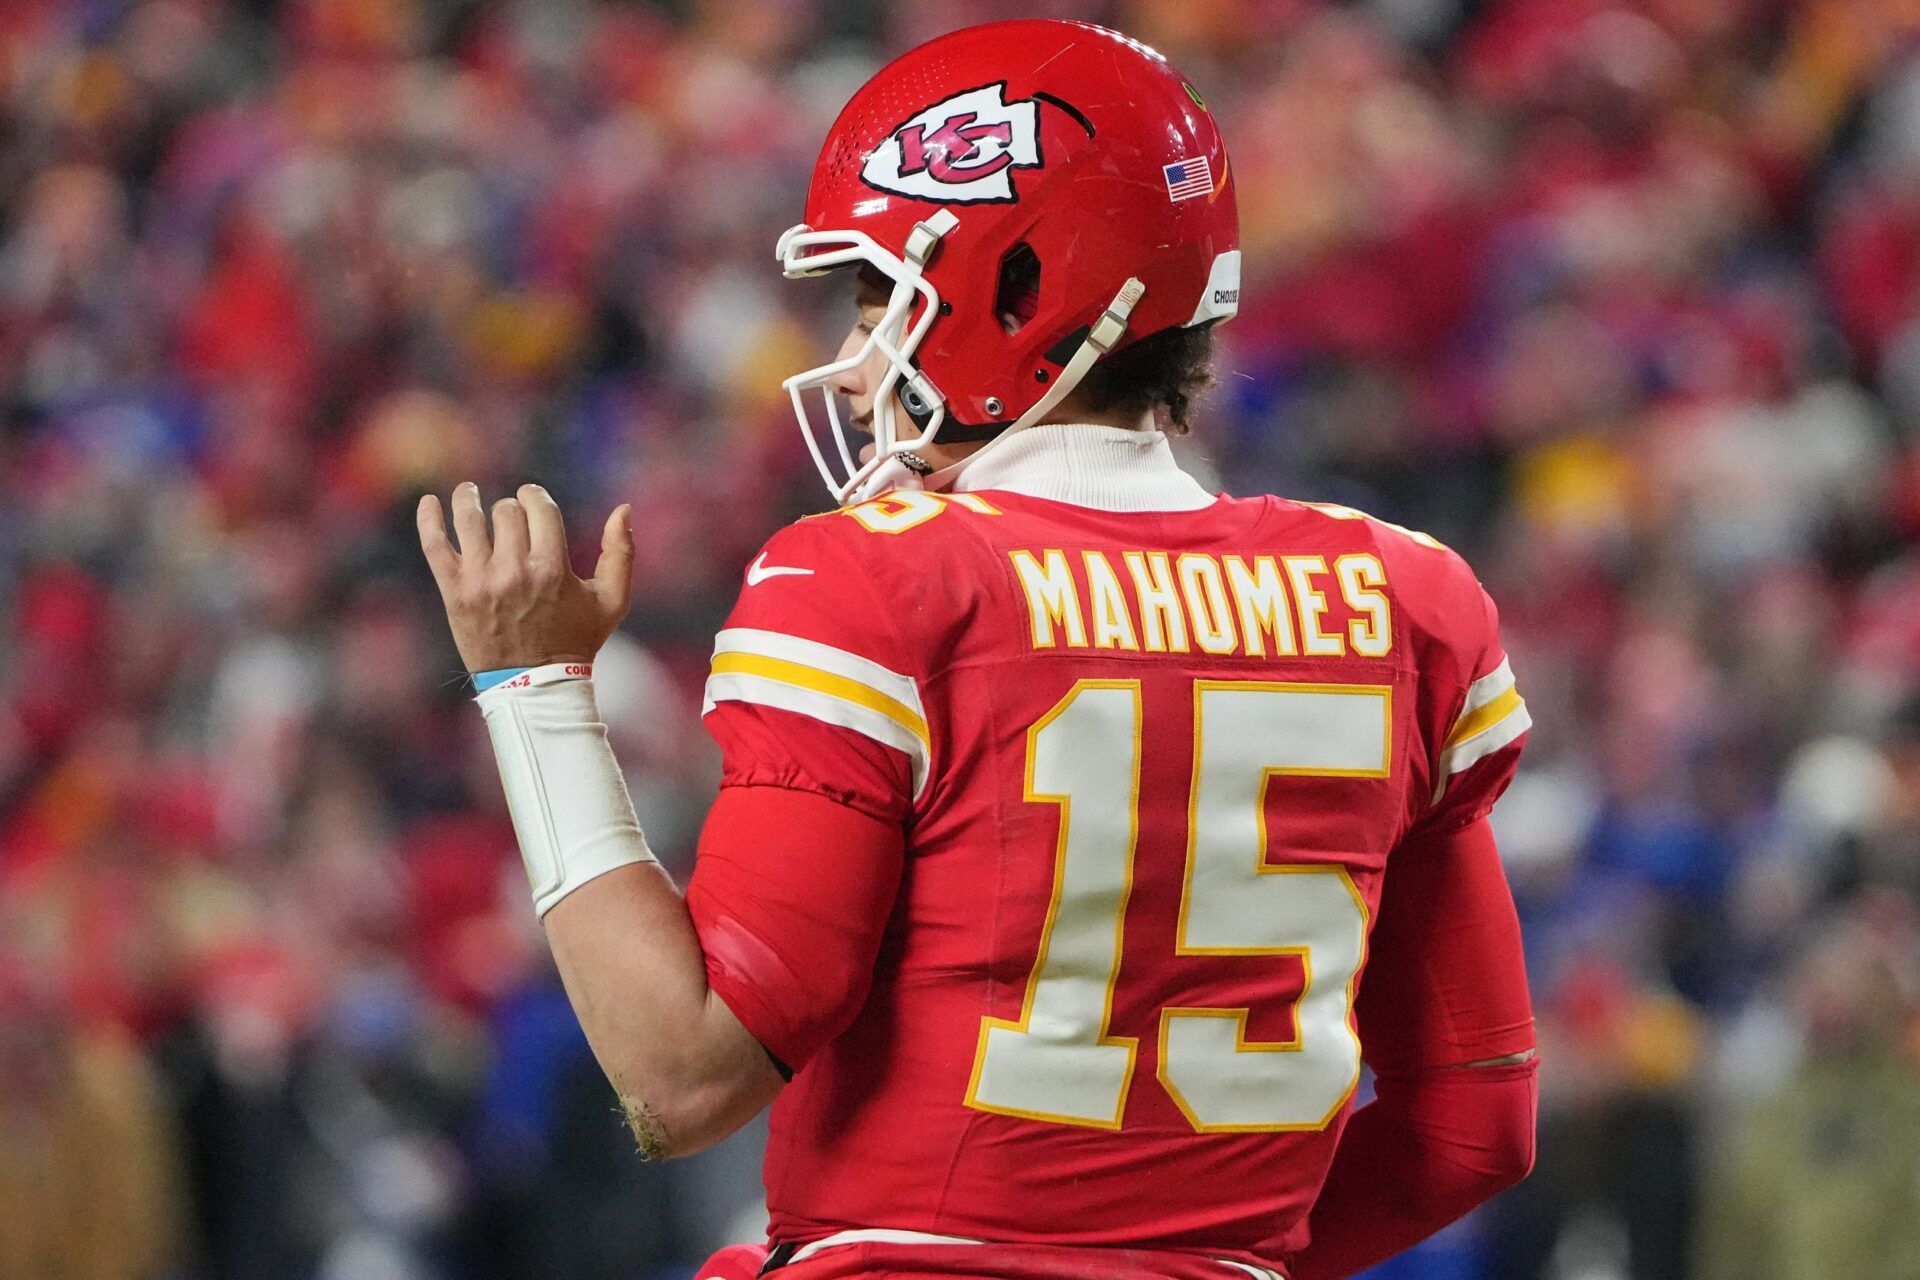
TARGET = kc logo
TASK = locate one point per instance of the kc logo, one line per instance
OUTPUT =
(962, 150)
(946, 153)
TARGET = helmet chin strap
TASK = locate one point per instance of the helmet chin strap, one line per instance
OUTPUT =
(908, 470)
(891, 475)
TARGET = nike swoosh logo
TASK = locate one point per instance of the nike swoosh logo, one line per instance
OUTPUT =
(759, 571)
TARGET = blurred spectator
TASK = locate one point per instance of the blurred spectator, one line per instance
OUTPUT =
(84, 1128)
(1611, 1192)
(1820, 1180)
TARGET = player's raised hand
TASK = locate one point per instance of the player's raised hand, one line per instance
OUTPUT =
(512, 599)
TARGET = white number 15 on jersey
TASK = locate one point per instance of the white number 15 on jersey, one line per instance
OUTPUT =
(1058, 1061)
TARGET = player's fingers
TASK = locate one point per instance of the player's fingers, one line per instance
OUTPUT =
(441, 557)
(613, 575)
(546, 530)
(510, 532)
(470, 523)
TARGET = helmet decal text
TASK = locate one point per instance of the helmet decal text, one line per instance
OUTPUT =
(960, 150)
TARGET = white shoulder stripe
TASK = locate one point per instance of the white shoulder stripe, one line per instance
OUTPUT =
(1492, 717)
(827, 684)
(1466, 754)
(1488, 687)
(782, 696)
(1480, 746)
(825, 657)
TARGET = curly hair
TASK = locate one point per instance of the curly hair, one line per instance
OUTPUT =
(1169, 368)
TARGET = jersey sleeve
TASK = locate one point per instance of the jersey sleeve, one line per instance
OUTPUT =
(1482, 748)
(790, 896)
(1478, 722)
(812, 686)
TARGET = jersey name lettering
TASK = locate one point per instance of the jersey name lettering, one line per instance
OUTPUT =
(1192, 602)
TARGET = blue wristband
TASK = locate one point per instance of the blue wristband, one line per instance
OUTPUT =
(485, 680)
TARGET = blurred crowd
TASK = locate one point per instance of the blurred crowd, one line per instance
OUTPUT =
(1620, 298)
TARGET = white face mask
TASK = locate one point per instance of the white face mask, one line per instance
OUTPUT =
(894, 464)
(893, 338)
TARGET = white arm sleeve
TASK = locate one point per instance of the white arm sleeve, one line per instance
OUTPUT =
(569, 801)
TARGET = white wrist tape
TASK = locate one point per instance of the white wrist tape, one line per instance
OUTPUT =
(569, 801)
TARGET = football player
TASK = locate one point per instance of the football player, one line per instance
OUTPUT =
(1082, 832)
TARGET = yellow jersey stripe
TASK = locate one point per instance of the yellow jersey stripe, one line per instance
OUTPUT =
(834, 686)
(824, 657)
(1496, 737)
(1484, 718)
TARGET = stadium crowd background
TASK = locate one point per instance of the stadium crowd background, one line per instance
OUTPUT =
(1621, 299)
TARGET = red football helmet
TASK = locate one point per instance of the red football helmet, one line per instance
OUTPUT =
(977, 163)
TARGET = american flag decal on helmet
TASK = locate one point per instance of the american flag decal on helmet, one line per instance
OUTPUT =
(1188, 178)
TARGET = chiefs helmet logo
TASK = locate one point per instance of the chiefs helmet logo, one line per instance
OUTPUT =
(961, 150)
(958, 151)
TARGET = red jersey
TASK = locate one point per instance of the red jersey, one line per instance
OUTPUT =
(1151, 767)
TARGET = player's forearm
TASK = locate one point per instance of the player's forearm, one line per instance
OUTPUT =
(686, 1071)
(1425, 1152)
